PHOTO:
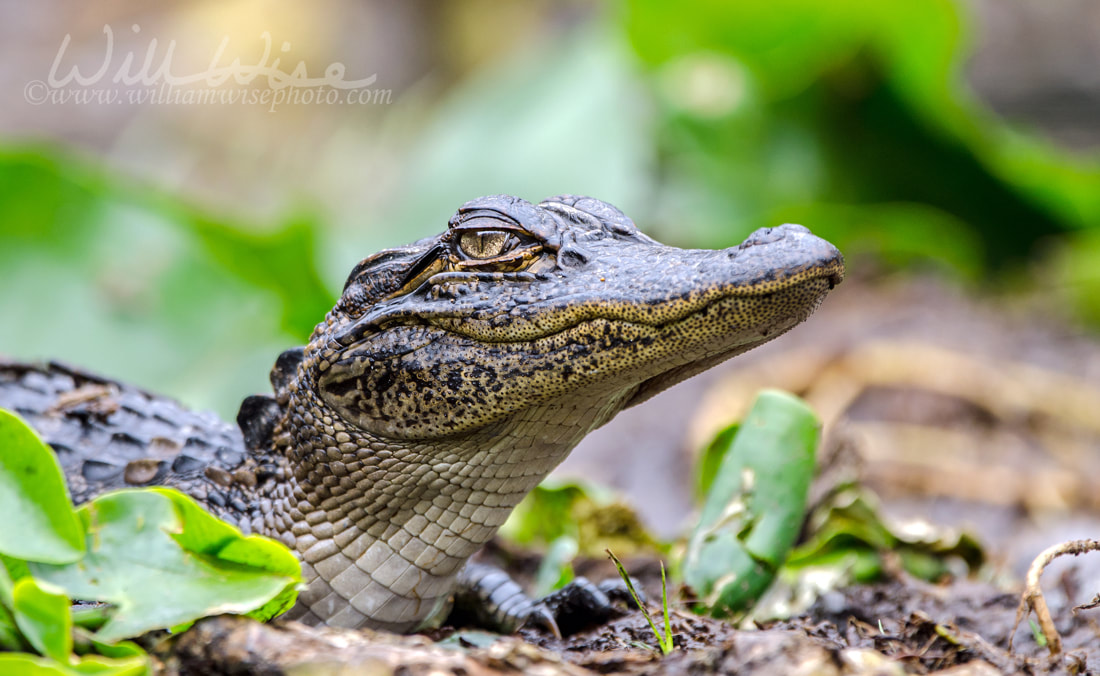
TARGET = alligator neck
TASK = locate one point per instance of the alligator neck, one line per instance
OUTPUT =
(384, 526)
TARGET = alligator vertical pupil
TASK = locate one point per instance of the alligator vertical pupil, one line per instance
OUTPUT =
(483, 244)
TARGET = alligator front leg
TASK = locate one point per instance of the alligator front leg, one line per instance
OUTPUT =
(486, 596)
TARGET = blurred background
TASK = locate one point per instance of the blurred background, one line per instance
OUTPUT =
(182, 244)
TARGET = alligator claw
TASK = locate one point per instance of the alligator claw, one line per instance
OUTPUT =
(541, 617)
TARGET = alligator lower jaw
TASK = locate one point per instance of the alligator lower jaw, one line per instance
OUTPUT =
(682, 371)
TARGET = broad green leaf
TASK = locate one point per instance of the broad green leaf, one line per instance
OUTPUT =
(16, 569)
(96, 648)
(42, 614)
(22, 664)
(39, 523)
(755, 507)
(208, 536)
(142, 559)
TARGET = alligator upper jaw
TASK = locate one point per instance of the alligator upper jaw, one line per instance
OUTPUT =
(553, 318)
(648, 284)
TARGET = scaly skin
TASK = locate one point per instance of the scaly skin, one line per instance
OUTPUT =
(456, 372)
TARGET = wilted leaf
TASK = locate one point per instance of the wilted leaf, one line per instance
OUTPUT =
(589, 514)
(851, 528)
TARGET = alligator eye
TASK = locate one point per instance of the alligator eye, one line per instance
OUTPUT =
(485, 244)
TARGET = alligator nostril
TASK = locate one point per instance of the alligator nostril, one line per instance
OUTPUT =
(762, 236)
(572, 256)
(769, 235)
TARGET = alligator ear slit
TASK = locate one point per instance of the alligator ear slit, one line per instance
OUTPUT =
(422, 264)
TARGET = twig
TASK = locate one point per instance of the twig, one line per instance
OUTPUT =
(1032, 599)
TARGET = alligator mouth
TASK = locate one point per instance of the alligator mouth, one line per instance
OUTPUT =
(670, 368)
(655, 315)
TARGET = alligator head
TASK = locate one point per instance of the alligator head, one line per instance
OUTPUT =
(456, 372)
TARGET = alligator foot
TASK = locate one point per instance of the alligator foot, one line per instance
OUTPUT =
(488, 597)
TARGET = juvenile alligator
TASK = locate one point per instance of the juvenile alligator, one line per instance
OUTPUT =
(451, 376)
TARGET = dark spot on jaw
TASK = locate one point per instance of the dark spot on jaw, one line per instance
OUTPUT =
(384, 380)
(341, 388)
(454, 380)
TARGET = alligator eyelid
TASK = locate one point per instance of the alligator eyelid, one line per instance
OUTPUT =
(469, 276)
(498, 225)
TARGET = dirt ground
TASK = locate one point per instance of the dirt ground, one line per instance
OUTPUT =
(884, 629)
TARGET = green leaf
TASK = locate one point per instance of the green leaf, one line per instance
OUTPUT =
(119, 650)
(163, 565)
(42, 614)
(22, 664)
(10, 638)
(848, 531)
(754, 510)
(589, 514)
(9, 633)
(16, 569)
(711, 459)
(39, 522)
(206, 535)
(5, 584)
(556, 568)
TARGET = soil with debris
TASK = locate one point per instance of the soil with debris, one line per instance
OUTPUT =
(976, 414)
(881, 630)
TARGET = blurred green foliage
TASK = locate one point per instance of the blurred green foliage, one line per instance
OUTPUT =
(703, 120)
(849, 116)
(107, 273)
